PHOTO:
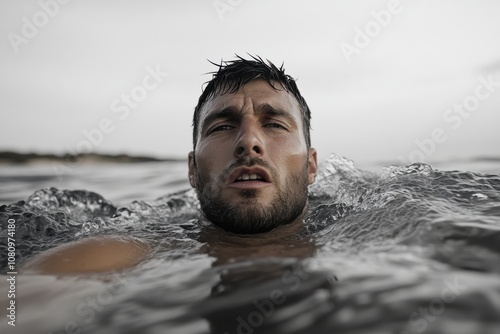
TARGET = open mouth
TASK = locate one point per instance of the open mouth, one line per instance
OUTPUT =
(249, 175)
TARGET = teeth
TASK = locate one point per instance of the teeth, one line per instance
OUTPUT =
(245, 177)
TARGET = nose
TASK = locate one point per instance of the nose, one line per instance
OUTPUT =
(249, 141)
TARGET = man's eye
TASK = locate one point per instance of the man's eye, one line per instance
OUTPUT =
(221, 128)
(275, 125)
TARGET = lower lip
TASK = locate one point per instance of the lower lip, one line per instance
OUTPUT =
(249, 184)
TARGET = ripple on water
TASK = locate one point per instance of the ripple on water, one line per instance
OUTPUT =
(376, 248)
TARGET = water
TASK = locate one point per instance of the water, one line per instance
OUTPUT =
(395, 250)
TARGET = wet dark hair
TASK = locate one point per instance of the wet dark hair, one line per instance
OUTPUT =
(234, 74)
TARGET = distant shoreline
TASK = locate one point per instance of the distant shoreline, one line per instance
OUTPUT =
(9, 157)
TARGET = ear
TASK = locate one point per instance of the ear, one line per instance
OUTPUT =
(191, 173)
(312, 165)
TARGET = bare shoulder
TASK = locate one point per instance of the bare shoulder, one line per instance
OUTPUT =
(90, 255)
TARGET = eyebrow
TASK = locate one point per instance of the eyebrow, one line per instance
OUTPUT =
(226, 113)
(232, 113)
(269, 110)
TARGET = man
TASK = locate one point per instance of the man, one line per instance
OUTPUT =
(252, 161)
(251, 165)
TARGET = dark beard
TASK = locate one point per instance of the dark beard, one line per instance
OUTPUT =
(251, 217)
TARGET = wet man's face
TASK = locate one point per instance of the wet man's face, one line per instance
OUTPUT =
(251, 165)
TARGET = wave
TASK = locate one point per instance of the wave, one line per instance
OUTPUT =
(10, 157)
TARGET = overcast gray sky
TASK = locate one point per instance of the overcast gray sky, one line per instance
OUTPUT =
(385, 80)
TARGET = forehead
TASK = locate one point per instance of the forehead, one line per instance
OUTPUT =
(256, 92)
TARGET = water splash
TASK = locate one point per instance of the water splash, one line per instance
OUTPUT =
(80, 204)
(339, 181)
(92, 227)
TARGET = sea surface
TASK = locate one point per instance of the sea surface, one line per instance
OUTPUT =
(408, 249)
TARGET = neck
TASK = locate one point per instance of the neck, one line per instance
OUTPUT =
(285, 231)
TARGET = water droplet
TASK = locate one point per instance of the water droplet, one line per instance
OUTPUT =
(479, 196)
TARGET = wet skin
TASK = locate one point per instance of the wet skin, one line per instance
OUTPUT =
(256, 123)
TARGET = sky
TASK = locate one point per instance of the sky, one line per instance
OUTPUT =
(396, 81)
